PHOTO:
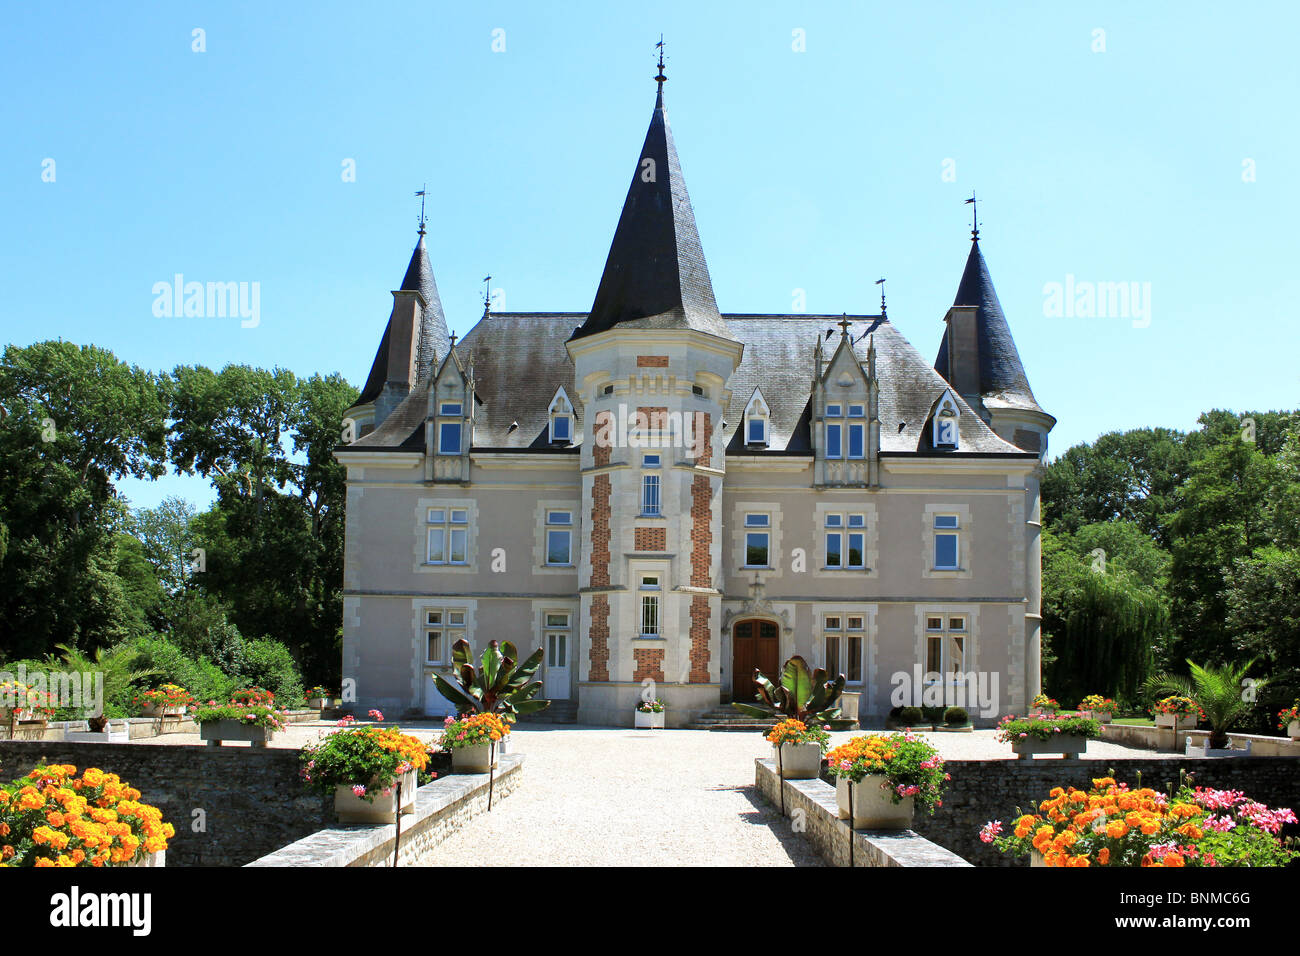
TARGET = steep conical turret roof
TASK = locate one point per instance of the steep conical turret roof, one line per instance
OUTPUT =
(655, 276)
(432, 344)
(1001, 375)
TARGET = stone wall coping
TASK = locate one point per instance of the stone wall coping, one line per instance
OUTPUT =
(346, 844)
(871, 847)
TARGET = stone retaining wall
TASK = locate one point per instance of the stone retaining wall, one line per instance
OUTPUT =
(251, 800)
(984, 790)
(812, 804)
(441, 808)
(56, 730)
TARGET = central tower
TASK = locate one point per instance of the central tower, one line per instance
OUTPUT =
(652, 362)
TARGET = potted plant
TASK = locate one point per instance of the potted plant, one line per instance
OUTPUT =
(1217, 691)
(1289, 720)
(956, 719)
(1042, 704)
(1050, 734)
(1176, 712)
(167, 700)
(259, 696)
(797, 748)
(22, 702)
(803, 694)
(498, 686)
(1097, 707)
(650, 713)
(472, 741)
(880, 779)
(366, 768)
(52, 817)
(318, 698)
(909, 717)
(256, 724)
(1111, 824)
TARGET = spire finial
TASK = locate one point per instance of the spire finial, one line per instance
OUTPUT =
(881, 282)
(660, 78)
(487, 297)
(974, 217)
(844, 324)
(423, 220)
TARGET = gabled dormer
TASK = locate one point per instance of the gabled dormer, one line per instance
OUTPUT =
(449, 423)
(757, 422)
(945, 418)
(561, 417)
(846, 426)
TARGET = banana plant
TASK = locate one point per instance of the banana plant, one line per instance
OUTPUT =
(802, 694)
(497, 686)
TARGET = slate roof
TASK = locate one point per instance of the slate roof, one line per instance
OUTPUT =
(1002, 376)
(433, 342)
(520, 360)
(655, 276)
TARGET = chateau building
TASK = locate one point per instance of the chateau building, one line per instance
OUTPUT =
(655, 490)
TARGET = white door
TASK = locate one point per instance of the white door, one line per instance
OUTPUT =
(557, 665)
(435, 705)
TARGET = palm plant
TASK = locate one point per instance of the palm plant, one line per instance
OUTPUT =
(498, 686)
(115, 665)
(1218, 691)
(803, 694)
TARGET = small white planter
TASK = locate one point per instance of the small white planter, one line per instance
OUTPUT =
(19, 714)
(320, 703)
(1293, 730)
(476, 759)
(872, 806)
(504, 746)
(1202, 748)
(216, 731)
(383, 809)
(798, 761)
(117, 732)
(1041, 712)
(649, 720)
(1067, 745)
(1101, 716)
(1175, 722)
(158, 858)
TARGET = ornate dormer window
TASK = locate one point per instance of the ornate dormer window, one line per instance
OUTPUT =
(450, 421)
(945, 422)
(757, 421)
(561, 419)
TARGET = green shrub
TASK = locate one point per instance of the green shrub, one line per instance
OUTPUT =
(932, 714)
(269, 664)
(200, 677)
(956, 716)
(910, 716)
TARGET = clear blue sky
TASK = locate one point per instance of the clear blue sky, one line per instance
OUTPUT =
(819, 170)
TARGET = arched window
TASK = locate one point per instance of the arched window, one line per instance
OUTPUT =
(757, 421)
(945, 423)
(561, 416)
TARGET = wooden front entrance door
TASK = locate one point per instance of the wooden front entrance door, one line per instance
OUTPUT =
(753, 644)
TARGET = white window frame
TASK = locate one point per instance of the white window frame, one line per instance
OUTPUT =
(946, 531)
(447, 628)
(757, 412)
(558, 526)
(561, 407)
(448, 525)
(756, 529)
(651, 500)
(650, 608)
(952, 627)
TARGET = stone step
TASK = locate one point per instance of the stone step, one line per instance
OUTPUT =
(737, 727)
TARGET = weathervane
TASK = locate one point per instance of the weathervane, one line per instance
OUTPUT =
(974, 216)
(487, 296)
(881, 282)
(421, 193)
(660, 78)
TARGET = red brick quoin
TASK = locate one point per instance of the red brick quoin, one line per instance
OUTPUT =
(651, 539)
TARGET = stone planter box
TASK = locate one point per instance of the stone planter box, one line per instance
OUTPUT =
(955, 729)
(1293, 730)
(157, 710)
(651, 721)
(850, 703)
(216, 731)
(872, 807)
(799, 761)
(1037, 859)
(383, 809)
(19, 714)
(1202, 748)
(1041, 712)
(1101, 716)
(477, 759)
(1068, 745)
(1174, 722)
(320, 703)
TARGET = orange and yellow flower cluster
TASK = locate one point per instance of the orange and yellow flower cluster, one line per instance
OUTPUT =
(484, 728)
(52, 817)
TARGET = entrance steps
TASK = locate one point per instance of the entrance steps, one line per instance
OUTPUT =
(560, 712)
(726, 718)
